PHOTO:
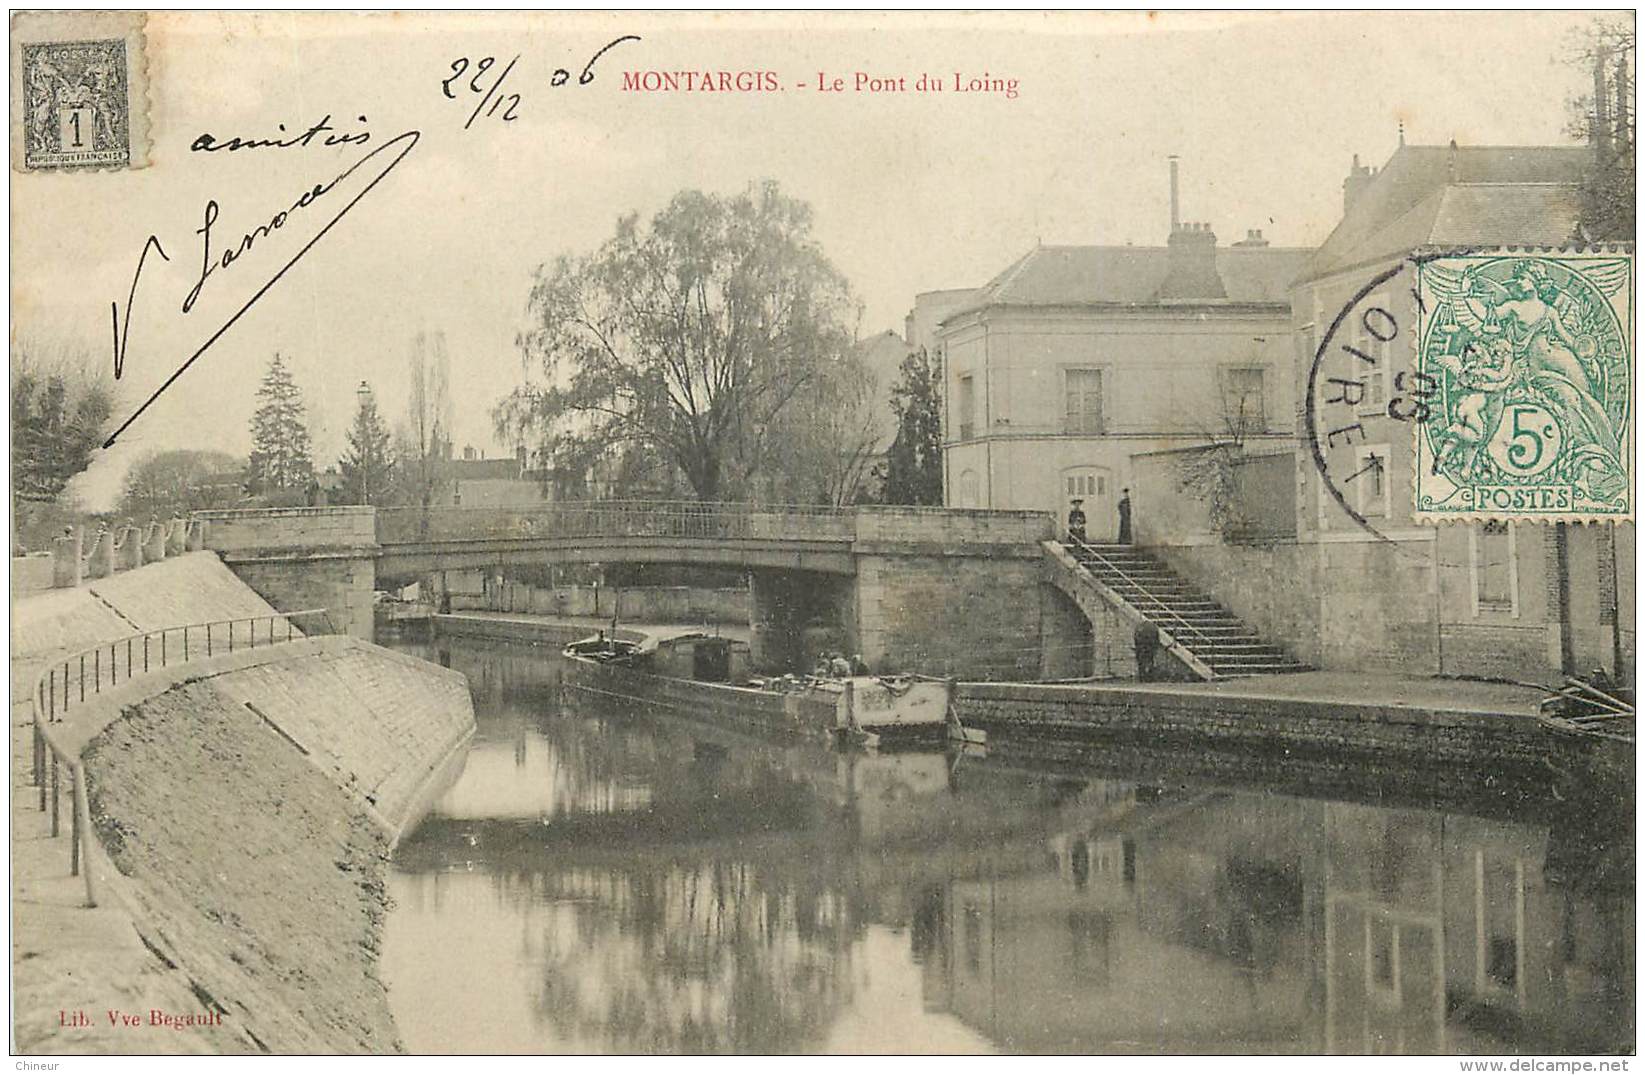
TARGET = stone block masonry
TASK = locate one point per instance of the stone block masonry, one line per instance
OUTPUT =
(242, 865)
(380, 723)
(342, 586)
(264, 529)
(1262, 725)
(190, 588)
(303, 558)
(247, 804)
(972, 617)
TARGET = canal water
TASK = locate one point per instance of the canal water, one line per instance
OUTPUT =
(598, 880)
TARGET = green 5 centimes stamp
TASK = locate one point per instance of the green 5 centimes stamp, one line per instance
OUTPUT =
(1525, 374)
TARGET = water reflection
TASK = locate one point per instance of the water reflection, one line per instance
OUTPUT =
(602, 881)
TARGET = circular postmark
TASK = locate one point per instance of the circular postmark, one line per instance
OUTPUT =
(1337, 403)
(1510, 373)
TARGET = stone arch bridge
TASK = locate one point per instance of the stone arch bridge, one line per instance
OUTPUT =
(943, 591)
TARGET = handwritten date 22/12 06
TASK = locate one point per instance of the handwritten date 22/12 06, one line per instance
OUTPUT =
(474, 77)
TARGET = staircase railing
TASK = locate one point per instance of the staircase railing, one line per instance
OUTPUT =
(68, 683)
(1125, 576)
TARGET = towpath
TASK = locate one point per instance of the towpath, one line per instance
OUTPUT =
(67, 957)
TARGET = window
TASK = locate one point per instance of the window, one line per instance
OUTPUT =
(1383, 938)
(1367, 355)
(1370, 481)
(1083, 390)
(968, 489)
(1084, 484)
(1502, 962)
(973, 938)
(1496, 582)
(1245, 398)
(967, 408)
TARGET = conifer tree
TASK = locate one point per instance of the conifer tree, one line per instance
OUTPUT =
(913, 466)
(366, 464)
(280, 459)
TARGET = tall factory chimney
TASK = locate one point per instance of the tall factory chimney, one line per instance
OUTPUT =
(1176, 213)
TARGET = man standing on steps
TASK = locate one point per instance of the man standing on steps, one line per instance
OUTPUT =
(1125, 516)
(1076, 522)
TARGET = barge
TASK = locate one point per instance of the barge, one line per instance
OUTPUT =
(863, 710)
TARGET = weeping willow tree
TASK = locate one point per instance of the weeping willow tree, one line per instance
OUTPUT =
(688, 336)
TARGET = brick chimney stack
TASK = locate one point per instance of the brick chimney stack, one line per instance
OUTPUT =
(1191, 271)
(1192, 268)
(1359, 177)
(1253, 237)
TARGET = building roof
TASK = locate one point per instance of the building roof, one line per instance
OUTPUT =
(1458, 195)
(483, 469)
(1132, 275)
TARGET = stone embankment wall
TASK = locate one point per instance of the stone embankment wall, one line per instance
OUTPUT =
(191, 588)
(245, 805)
(250, 812)
(1259, 724)
(32, 573)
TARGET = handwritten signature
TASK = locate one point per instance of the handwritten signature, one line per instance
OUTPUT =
(395, 150)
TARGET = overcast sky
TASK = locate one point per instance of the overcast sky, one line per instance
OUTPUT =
(912, 191)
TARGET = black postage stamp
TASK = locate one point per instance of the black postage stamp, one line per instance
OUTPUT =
(78, 108)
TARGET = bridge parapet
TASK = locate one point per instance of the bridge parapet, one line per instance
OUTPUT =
(302, 557)
(951, 527)
(253, 530)
(597, 519)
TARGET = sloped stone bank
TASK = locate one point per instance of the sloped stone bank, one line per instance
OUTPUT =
(247, 812)
(250, 870)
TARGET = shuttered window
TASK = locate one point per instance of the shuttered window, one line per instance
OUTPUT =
(1084, 402)
(1246, 399)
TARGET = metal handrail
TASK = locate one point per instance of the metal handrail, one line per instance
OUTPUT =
(697, 507)
(608, 518)
(1116, 569)
(47, 710)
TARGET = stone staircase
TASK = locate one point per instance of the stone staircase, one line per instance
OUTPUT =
(1207, 637)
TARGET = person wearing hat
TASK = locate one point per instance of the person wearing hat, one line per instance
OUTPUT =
(1124, 507)
(1076, 522)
